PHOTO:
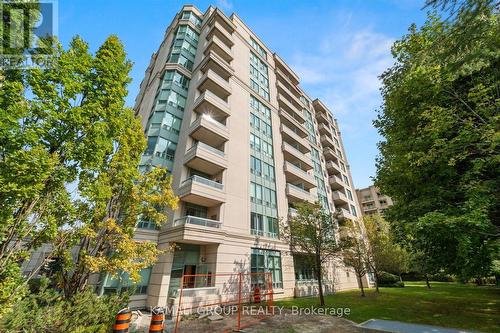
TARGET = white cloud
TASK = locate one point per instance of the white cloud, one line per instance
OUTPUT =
(342, 68)
(225, 4)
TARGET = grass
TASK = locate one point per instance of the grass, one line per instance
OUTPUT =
(445, 304)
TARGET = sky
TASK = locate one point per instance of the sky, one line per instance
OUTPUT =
(337, 47)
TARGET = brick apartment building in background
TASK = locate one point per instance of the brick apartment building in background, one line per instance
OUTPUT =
(372, 201)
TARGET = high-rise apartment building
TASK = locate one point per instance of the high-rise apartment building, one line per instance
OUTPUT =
(243, 143)
(372, 201)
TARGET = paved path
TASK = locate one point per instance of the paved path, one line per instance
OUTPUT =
(400, 327)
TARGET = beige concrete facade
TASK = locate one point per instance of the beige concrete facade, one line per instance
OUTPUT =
(220, 190)
(372, 201)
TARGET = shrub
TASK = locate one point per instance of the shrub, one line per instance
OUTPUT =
(441, 277)
(387, 278)
(48, 311)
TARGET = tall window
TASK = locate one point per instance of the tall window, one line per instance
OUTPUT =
(303, 268)
(259, 80)
(258, 48)
(263, 261)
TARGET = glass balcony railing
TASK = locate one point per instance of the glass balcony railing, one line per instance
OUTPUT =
(215, 122)
(204, 181)
(207, 147)
(198, 221)
(295, 187)
(297, 169)
(293, 149)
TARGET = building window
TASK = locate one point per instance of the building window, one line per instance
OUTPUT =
(353, 211)
(262, 195)
(122, 282)
(264, 261)
(259, 81)
(303, 268)
(188, 15)
(260, 145)
(383, 202)
(349, 194)
(258, 48)
(264, 225)
(191, 209)
(147, 225)
(181, 60)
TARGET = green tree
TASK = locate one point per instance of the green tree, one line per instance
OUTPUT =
(355, 250)
(46, 310)
(439, 160)
(311, 231)
(383, 254)
(69, 155)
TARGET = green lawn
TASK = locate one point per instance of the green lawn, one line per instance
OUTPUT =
(446, 304)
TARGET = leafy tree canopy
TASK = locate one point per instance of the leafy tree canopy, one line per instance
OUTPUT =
(439, 160)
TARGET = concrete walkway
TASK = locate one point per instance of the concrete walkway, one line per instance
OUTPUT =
(400, 327)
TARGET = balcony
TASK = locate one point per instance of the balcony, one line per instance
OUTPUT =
(219, 30)
(209, 131)
(320, 107)
(322, 118)
(330, 154)
(297, 194)
(332, 168)
(195, 230)
(287, 119)
(206, 159)
(286, 70)
(295, 174)
(296, 157)
(344, 214)
(281, 75)
(198, 221)
(216, 45)
(369, 208)
(209, 103)
(339, 198)
(201, 191)
(291, 96)
(324, 129)
(327, 141)
(217, 64)
(336, 183)
(215, 83)
(294, 139)
(288, 106)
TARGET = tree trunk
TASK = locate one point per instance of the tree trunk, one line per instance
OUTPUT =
(320, 281)
(361, 285)
(376, 282)
(427, 281)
